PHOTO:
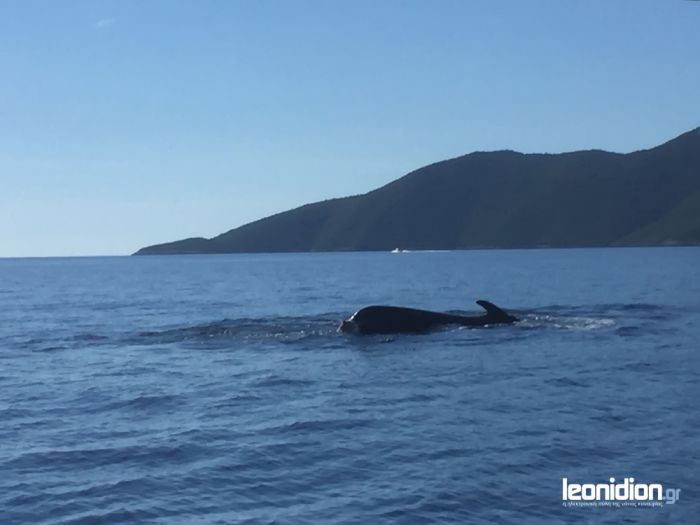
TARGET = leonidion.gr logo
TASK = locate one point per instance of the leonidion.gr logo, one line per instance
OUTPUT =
(626, 493)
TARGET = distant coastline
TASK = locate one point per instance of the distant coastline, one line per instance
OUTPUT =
(495, 200)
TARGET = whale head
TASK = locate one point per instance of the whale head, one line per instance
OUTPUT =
(348, 326)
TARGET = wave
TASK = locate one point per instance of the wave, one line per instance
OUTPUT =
(276, 329)
(566, 322)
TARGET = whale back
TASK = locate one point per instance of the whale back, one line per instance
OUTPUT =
(396, 319)
(378, 319)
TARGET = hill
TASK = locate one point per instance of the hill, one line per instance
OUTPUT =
(500, 199)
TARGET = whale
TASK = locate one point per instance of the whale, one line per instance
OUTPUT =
(379, 319)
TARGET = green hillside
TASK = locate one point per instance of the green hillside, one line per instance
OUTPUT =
(498, 199)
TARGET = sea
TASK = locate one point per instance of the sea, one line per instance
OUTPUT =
(216, 389)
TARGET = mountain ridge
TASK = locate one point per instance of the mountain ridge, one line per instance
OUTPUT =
(499, 199)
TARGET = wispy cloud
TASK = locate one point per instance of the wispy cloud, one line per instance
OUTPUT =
(103, 23)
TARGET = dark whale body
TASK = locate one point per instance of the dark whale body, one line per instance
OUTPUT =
(397, 319)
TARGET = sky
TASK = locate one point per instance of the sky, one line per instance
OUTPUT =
(128, 123)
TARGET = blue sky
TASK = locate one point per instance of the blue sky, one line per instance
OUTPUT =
(128, 123)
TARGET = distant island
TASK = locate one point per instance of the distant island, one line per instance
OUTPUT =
(500, 199)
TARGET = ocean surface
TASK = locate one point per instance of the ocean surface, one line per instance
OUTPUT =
(216, 389)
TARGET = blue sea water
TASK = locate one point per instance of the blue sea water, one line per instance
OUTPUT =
(216, 389)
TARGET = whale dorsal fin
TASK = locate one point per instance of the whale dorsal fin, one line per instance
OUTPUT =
(492, 309)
